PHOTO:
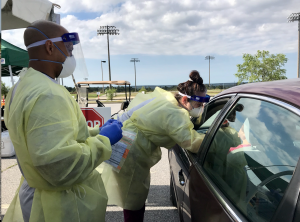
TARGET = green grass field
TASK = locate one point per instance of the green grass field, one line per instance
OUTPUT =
(213, 92)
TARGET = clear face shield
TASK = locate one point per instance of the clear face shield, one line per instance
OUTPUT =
(74, 63)
(73, 46)
(199, 102)
(198, 107)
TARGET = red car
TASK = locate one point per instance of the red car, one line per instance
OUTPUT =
(247, 168)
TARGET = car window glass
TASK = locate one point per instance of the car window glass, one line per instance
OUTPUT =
(253, 156)
(297, 141)
(210, 120)
(211, 112)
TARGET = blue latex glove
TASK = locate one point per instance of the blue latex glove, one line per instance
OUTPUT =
(108, 122)
(119, 123)
(113, 132)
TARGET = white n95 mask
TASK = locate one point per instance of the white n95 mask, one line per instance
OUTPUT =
(69, 66)
(196, 112)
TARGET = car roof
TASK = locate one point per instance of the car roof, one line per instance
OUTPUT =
(285, 90)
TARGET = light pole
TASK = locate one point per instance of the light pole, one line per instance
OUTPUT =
(209, 58)
(134, 60)
(108, 30)
(292, 18)
(102, 74)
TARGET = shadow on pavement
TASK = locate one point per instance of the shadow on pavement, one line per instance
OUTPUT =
(9, 158)
(158, 207)
(150, 216)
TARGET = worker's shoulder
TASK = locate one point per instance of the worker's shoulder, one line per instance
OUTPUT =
(36, 84)
(33, 76)
(37, 80)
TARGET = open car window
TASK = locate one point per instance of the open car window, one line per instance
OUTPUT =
(210, 113)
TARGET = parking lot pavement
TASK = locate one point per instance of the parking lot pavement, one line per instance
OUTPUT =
(10, 179)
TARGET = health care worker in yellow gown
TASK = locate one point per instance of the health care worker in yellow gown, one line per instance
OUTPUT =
(56, 152)
(160, 120)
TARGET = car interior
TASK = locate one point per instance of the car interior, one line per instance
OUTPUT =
(209, 114)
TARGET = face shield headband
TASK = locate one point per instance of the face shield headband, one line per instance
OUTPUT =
(73, 48)
(197, 98)
(70, 40)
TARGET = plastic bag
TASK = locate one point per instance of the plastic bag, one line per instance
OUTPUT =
(120, 150)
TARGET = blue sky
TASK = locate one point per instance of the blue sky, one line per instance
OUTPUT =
(171, 38)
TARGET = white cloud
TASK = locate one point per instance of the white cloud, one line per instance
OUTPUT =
(86, 5)
(173, 27)
(14, 36)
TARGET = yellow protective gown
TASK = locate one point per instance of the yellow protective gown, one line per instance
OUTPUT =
(160, 123)
(56, 152)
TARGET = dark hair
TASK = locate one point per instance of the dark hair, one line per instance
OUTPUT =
(190, 87)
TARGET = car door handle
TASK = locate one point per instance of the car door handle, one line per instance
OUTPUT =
(181, 178)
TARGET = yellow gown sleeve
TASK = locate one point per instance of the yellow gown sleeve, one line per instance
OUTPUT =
(61, 156)
(198, 120)
(186, 137)
(94, 131)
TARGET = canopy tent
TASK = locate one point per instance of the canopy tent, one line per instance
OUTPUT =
(120, 82)
(20, 13)
(13, 59)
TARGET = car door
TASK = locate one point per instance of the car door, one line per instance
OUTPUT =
(246, 168)
(179, 173)
(181, 162)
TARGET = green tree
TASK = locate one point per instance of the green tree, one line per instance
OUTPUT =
(4, 89)
(110, 93)
(261, 67)
(143, 89)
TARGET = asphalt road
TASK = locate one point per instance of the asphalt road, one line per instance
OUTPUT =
(10, 179)
(158, 205)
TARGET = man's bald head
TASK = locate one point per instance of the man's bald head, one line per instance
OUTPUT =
(47, 52)
(50, 29)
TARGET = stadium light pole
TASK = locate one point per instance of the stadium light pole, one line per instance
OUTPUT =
(209, 58)
(102, 74)
(292, 18)
(134, 60)
(108, 30)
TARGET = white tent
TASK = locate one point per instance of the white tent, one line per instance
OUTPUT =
(20, 13)
(17, 14)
